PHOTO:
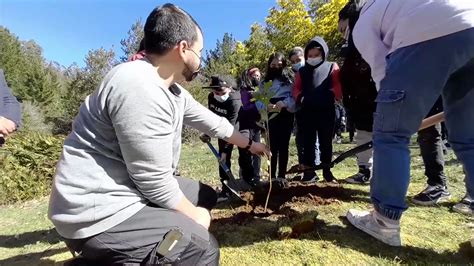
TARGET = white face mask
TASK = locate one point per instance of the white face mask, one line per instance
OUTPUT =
(314, 61)
(221, 98)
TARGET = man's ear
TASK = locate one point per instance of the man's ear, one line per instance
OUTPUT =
(182, 46)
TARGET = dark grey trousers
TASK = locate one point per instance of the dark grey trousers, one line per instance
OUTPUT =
(134, 241)
(431, 147)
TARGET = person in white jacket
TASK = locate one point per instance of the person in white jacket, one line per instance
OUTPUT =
(417, 50)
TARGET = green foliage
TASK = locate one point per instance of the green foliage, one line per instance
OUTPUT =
(131, 44)
(289, 25)
(326, 24)
(32, 79)
(11, 60)
(195, 89)
(227, 58)
(258, 47)
(85, 80)
(34, 119)
(27, 165)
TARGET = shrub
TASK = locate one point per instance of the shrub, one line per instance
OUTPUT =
(27, 165)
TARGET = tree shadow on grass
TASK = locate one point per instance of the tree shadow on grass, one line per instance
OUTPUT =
(34, 258)
(46, 236)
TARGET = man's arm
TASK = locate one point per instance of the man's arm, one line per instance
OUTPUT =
(202, 119)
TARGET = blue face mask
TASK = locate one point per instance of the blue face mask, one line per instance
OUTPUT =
(297, 66)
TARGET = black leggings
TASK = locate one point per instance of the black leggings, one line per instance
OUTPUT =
(280, 128)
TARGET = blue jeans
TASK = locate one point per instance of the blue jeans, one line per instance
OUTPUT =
(415, 77)
(300, 143)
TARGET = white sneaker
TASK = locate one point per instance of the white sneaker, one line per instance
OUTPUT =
(367, 222)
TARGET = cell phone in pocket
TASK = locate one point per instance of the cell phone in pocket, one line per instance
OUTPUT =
(169, 242)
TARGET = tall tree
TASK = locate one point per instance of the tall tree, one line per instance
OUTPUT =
(86, 80)
(220, 59)
(289, 25)
(131, 44)
(258, 47)
(327, 17)
(12, 60)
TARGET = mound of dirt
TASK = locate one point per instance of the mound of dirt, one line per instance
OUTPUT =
(296, 192)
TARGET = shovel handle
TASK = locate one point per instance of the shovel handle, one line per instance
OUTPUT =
(432, 120)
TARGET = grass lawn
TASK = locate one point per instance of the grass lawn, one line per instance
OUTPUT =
(430, 235)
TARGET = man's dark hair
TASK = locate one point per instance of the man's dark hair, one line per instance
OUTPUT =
(166, 26)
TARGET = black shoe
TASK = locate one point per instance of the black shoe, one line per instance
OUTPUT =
(253, 183)
(310, 177)
(362, 177)
(328, 176)
(432, 195)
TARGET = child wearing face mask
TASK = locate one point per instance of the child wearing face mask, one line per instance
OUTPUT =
(296, 57)
(282, 103)
(224, 101)
(316, 90)
(248, 119)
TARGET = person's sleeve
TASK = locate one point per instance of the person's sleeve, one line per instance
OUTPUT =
(290, 103)
(297, 88)
(367, 37)
(143, 121)
(202, 119)
(10, 107)
(336, 82)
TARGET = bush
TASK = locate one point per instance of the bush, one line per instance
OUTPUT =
(27, 165)
(34, 119)
(190, 135)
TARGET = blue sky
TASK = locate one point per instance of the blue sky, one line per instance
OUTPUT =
(68, 29)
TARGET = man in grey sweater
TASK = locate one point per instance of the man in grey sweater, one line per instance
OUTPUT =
(114, 196)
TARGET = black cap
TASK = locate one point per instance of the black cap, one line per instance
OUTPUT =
(218, 82)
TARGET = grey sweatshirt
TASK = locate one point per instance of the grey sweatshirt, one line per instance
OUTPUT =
(123, 150)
